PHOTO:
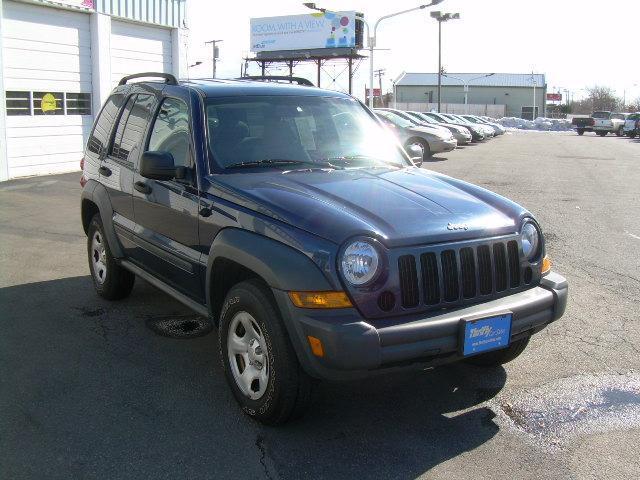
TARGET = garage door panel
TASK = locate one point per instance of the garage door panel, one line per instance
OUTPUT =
(44, 47)
(53, 62)
(39, 132)
(56, 164)
(21, 147)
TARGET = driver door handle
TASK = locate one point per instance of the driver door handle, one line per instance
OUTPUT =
(142, 187)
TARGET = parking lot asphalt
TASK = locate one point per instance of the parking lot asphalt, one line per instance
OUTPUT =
(87, 390)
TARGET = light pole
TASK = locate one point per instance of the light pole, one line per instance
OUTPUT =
(466, 83)
(533, 109)
(215, 53)
(442, 17)
(372, 38)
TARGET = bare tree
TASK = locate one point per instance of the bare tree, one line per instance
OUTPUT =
(598, 98)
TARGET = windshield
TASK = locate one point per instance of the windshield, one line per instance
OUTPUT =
(281, 131)
(437, 117)
(422, 117)
(396, 119)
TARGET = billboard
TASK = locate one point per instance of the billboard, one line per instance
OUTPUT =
(309, 31)
(554, 97)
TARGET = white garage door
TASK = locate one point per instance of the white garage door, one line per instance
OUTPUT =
(139, 48)
(47, 81)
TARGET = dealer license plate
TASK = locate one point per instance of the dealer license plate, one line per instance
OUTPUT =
(485, 334)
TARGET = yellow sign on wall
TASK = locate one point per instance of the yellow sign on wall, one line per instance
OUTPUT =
(48, 103)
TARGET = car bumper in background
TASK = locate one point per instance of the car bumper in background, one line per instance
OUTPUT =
(440, 146)
(355, 347)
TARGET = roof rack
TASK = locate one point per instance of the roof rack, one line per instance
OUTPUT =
(267, 78)
(169, 79)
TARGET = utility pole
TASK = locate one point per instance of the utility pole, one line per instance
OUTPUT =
(379, 73)
(533, 111)
(215, 54)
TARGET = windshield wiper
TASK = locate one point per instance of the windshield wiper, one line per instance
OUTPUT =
(266, 161)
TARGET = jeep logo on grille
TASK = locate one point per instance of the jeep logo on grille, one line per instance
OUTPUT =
(457, 226)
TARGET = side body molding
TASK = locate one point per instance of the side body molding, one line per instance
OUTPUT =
(96, 193)
(281, 266)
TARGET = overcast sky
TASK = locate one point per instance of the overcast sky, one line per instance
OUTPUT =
(576, 43)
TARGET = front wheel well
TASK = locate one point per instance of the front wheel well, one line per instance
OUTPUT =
(225, 274)
(89, 209)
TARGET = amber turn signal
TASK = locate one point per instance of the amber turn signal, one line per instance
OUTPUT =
(316, 346)
(546, 265)
(320, 299)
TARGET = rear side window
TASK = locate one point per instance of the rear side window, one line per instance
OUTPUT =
(99, 138)
(171, 131)
(600, 115)
(131, 126)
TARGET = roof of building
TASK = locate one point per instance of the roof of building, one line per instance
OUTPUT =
(493, 80)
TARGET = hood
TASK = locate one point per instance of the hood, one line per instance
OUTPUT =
(440, 132)
(407, 206)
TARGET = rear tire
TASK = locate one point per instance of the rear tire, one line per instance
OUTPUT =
(111, 281)
(257, 357)
(580, 131)
(601, 133)
(619, 132)
(500, 357)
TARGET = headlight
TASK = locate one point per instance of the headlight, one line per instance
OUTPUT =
(530, 241)
(359, 262)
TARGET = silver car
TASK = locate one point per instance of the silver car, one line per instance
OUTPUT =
(497, 128)
(431, 140)
(461, 134)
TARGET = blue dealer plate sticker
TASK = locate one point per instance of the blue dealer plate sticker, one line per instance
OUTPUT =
(486, 334)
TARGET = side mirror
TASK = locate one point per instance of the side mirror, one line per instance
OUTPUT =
(416, 153)
(159, 166)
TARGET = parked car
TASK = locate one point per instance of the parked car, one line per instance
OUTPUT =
(477, 133)
(488, 131)
(630, 128)
(291, 219)
(461, 134)
(497, 128)
(583, 124)
(430, 140)
(436, 127)
(608, 122)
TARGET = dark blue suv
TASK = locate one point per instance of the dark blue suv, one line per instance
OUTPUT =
(293, 220)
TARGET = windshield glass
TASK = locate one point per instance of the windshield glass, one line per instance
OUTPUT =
(421, 117)
(396, 119)
(280, 131)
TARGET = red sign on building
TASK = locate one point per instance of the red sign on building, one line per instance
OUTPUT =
(376, 92)
(554, 97)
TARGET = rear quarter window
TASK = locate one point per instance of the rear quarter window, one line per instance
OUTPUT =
(99, 138)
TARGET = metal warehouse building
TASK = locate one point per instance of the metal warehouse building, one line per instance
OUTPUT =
(514, 91)
(60, 59)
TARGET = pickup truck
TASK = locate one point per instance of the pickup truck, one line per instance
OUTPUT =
(583, 124)
(608, 122)
(298, 225)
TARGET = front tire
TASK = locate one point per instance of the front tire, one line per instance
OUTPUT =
(601, 133)
(500, 357)
(426, 150)
(258, 359)
(619, 132)
(111, 281)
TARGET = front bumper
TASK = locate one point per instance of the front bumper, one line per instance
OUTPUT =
(440, 146)
(355, 347)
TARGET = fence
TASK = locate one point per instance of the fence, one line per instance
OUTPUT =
(490, 110)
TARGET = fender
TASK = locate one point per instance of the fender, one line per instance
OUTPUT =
(281, 266)
(97, 193)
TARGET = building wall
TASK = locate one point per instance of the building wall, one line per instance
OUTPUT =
(514, 98)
